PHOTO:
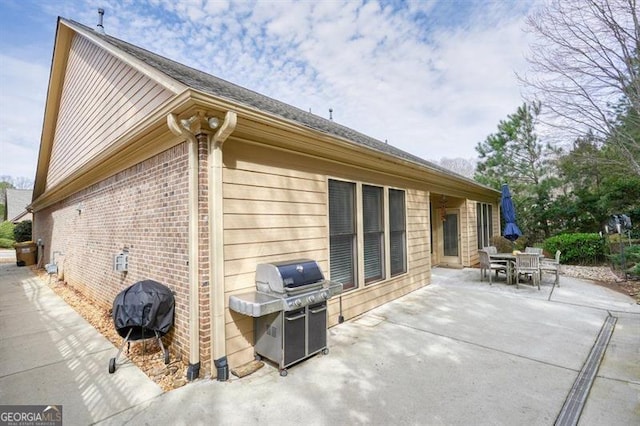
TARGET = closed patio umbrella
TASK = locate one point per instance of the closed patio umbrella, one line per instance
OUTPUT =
(511, 230)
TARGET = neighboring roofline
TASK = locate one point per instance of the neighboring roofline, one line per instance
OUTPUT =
(21, 215)
(17, 200)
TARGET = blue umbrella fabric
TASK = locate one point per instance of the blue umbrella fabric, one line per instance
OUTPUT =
(511, 230)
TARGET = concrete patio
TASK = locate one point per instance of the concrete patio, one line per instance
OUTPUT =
(456, 352)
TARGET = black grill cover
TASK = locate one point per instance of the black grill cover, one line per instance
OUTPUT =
(144, 308)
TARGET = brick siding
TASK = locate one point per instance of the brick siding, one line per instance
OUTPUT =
(143, 209)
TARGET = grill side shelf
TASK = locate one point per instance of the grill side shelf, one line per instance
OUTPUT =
(254, 304)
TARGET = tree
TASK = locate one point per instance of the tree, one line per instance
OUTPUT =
(586, 70)
(515, 155)
(4, 184)
(19, 182)
(462, 166)
(593, 188)
(577, 209)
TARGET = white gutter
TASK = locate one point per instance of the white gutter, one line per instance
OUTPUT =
(216, 245)
(182, 128)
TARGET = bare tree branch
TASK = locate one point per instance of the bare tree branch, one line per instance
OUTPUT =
(585, 65)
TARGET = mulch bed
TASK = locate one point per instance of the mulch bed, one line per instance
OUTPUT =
(629, 287)
(147, 355)
(605, 277)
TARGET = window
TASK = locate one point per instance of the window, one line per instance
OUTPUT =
(342, 233)
(484, 224)
(397, 232)
(367, 233)
(373, 225)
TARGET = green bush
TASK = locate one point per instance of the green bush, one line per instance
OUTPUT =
(582, 249)
(6, 230)
(22, 231)
(6, 243)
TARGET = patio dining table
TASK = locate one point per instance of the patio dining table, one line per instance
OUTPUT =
(511, 261)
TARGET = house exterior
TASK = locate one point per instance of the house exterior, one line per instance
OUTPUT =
(198, 180)
(17, 201)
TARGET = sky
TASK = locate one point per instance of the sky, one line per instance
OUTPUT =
(431, 77)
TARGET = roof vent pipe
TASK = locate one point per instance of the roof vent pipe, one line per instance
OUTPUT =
(100, 28)
(331, 114)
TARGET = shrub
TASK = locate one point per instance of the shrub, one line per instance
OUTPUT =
(6, 230)
(6, 243)
(583, 249)
(22, 231)
(502, 244)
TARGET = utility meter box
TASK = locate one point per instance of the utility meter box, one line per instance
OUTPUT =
(121, 261)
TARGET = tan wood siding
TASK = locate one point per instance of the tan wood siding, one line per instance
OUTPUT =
(470, 232)
(270, 213)
(275, 208)
(102, 98)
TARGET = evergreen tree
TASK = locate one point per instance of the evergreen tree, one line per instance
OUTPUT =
(515, 155)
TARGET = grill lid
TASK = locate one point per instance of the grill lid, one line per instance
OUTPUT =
(281, 277)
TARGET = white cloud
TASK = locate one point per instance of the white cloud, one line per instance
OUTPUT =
(434, 78)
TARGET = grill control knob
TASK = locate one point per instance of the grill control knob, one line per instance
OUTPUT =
(312, 299)
(298, 302)
(325, 295)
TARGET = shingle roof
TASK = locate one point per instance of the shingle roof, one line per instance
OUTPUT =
(17, 202)
(218, 87)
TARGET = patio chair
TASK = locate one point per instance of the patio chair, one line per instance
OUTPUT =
(491, 249)
(535, 250)
(528, 264)
(494, 250)
(551, 265)
(487, 265)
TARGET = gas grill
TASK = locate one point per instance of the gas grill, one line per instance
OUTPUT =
(290, 310)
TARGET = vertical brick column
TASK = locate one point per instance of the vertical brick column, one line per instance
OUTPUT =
(203, 255)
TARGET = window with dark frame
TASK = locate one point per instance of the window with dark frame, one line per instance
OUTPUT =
(342, 233)
(373, 224)
(397, 232)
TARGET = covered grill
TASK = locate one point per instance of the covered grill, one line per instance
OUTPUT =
(290, 310)
(142, 311)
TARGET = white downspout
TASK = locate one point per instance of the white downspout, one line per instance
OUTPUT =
(181, 129)
(216, 245)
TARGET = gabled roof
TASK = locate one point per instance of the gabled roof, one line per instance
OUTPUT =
(17, 202)
(186, 82)
(218, 87)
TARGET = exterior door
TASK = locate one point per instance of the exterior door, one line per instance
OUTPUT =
(451, 237)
